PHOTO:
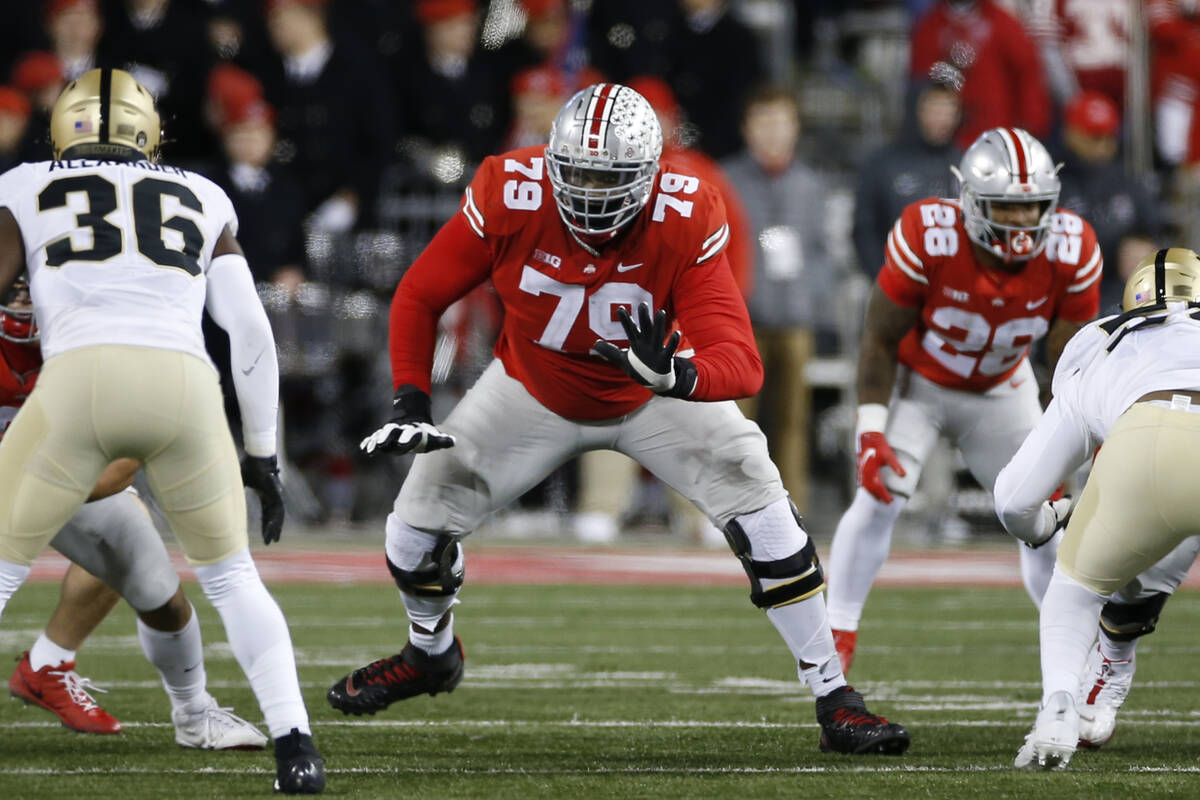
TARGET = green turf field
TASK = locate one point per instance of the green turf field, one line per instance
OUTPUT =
(617, 692)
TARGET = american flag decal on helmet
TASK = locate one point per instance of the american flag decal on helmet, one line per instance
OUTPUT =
(598, 111)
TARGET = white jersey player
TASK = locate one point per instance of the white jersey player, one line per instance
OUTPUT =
(123, 256)
(1129, 382)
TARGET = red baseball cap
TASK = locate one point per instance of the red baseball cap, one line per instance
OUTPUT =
(56, 7)
(13, 102)
(1093, 113)
(37, 70)
(536, 8)
(430, 11)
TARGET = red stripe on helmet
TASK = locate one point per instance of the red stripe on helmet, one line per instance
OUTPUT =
(601, 106)
(1022, 156)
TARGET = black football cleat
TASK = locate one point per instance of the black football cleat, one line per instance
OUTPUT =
(847, 727)
(299, 768)
(407, 674)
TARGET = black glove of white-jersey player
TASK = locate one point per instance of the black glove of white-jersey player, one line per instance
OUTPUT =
(411, 428)
(649, 360)
(261, 473)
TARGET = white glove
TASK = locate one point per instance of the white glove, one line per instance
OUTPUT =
(407, 437)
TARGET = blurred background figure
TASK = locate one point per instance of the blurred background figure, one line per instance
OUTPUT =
(915, 164)
(1127, 217)
(14, 118)
(1083, 45)
(39, 76)
(794, 279)
(159, 43)
(74, 28)
(334, 114)
(1004, 81)
(537, 95)
(448, 95)
(710, 87)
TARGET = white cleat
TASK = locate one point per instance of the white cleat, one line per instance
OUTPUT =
(1051, 743)
(216, 728)
(1101, 694)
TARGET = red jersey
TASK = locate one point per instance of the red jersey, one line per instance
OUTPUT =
(1004, 82)
(19, 366)
(559, 298)
(977, 323)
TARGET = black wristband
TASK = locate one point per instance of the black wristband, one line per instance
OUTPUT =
(411, 404)
(685, 378)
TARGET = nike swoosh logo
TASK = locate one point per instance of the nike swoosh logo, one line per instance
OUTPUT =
(1015, 383)
(1032, 304)
(626, 267)
(192, 667)
(868, 454)
(350, 690)
(254, 363)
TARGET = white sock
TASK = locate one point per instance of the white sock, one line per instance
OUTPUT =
(179, 659)
(1116, 651)
(860, 546)
(46, 653)
(259, 637)
(1069, 616)
(433, 643)
(1037, 565)
(12, 575)
(774, 534)
(805, 629)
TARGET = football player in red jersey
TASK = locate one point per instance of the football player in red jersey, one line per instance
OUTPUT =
(967, 286)
(623, 330)
(112, 536)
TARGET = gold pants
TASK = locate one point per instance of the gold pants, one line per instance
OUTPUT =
(1140, 500)
(95, 404)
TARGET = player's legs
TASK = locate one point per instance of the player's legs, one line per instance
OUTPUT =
(988, 429)
(167, 411)
(116, 539)
(864, 534)
(506, 443)
(718, 459)
(51, 461)
(1137, 506)
(45, 674)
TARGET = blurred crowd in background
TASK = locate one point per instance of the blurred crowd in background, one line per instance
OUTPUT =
(345, 131)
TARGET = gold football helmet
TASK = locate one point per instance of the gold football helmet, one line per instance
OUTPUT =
(104, 113)
(1170, 274)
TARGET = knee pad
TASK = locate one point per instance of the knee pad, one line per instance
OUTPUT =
(439, 574)
(790, 579)
(1124, 622)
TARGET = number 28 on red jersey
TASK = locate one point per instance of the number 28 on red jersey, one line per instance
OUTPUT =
(977, 323)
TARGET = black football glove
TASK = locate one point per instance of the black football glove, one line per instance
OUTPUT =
(411, 428)
(261, 473)
(648, 360)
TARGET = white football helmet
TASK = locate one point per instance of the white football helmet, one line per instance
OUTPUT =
(1007, 165)
(602, 158)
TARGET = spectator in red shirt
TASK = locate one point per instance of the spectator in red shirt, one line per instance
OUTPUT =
(1004, 81)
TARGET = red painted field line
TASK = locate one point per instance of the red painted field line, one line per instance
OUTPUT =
(537, 566)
